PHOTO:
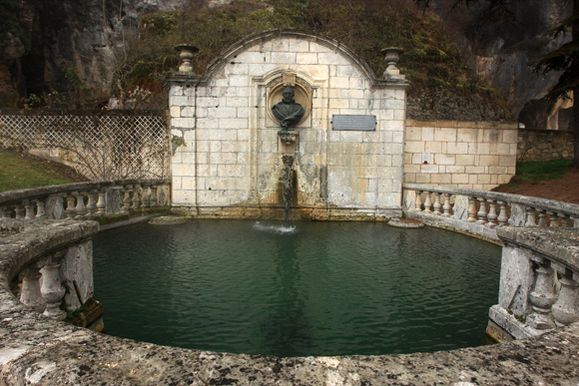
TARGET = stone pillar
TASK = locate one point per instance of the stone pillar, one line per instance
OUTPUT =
(52, 289)
(482, 211)
(502, 219)
(566, 308)
(30, 294)
(543, 295)
(446, 207)
(471, 209)
(100, 205)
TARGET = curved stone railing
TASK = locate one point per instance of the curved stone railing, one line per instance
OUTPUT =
(37, 262)
(86, 200)
(479, 212)
(48, 264)
(35, 349)
(539, 285)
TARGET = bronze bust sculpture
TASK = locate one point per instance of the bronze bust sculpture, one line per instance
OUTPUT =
(288, 112)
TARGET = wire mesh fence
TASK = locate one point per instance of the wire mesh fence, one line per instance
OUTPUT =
(101, 145)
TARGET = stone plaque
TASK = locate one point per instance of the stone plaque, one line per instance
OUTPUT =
(354, 122)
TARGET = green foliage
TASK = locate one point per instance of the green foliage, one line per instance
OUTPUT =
(433, 63)
(542, 170)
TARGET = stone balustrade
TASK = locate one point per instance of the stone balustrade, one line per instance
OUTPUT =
(480, 212)
(88, 200)
(38, 349)
(539, 285)
(47, 264)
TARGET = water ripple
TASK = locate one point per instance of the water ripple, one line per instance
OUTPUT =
(304, 289)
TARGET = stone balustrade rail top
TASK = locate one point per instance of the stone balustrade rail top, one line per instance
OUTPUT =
(13, 196)
(569, 209)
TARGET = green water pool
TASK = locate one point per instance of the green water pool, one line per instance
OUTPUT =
(320, 288)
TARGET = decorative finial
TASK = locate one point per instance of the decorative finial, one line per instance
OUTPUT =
(391, 55)
(186, 52)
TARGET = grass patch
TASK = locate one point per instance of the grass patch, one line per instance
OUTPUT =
(20, 171)
(542, 170)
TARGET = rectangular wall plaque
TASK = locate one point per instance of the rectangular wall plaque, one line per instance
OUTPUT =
(354, 122)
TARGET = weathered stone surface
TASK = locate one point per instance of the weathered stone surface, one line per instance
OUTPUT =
(472, 155)
(36, 350)
(233, 156)
(545, 145)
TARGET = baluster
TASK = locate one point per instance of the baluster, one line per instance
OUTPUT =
(437, 205)
(146, 196)
(482, 211)
(19, 211)
(4, 212)
(446, 207)
(543, 223)
(553, 220)
(91, 204)
(471, 209)
(136, 197)
(427, 203)
(575, 221)
(566, 308)
(40, 208)
(57, 211)
(531, 220)
(492, 215)
(165, 195)
(80, 209)
(562, 220)
(70, 204)
(126, 198)
(29, 210)
(52, 290)
(101, 203)
(543, 295)
(502, 218)
(155, 200)
(30, 294)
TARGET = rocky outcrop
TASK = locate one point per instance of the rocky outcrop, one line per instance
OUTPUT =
(505, 42)
(72, 44)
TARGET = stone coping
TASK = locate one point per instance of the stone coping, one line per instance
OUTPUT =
(444, 123)
(559, 244)
(37, 350)
(30, 193)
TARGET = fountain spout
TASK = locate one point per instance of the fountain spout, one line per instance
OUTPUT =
(288, 185)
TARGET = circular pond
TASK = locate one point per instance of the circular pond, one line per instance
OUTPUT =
(315, 288)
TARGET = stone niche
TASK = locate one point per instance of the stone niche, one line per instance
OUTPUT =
(229, 159)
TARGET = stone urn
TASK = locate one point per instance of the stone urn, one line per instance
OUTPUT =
(186, 53)
(391, 56)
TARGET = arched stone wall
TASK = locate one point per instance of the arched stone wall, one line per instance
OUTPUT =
(231, 160)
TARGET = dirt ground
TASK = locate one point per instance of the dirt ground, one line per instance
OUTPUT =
(560, 189)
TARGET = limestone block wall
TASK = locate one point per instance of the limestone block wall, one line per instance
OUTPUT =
(476, 155)
(545, 145)
(232, 153)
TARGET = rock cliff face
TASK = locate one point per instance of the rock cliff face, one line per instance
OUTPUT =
(71, 44)
(504, 43)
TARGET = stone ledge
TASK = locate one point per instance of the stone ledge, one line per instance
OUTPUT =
(54, 353)
(559, 244)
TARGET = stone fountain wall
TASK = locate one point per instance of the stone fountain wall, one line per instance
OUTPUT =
(228, 160)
